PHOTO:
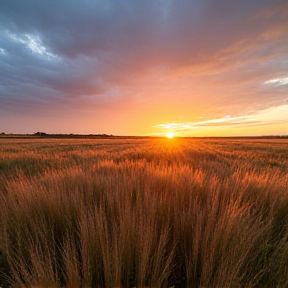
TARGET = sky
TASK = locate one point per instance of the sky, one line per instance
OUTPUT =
(144, 67)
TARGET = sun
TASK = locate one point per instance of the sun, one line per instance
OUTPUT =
(170, 135)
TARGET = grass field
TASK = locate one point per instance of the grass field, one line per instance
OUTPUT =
(144, 212)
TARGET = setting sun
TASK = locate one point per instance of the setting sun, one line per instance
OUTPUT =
(170, 135)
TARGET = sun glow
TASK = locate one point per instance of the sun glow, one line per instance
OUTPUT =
(170, 135)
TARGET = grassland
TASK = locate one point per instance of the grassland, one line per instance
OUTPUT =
(144, 212)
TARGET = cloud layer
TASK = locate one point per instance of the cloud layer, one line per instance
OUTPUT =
(108, 59)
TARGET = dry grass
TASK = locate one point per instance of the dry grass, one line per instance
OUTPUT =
(144, 212)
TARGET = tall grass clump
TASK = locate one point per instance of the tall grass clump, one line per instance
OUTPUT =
(144, 213)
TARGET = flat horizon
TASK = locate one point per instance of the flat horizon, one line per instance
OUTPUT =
(103, 135)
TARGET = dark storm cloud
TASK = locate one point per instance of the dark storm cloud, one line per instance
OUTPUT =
(55, 51)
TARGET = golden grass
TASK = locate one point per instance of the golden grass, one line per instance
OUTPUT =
(144, 212)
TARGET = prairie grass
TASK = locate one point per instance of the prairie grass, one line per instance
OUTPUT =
(144, 213)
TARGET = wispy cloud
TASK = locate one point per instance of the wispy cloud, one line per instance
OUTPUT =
(33, 43)
(271, 116)
(277, 81)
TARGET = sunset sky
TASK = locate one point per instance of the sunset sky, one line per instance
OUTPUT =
(144, 67)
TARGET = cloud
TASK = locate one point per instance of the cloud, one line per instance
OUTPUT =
(270, 116)
(277, 82)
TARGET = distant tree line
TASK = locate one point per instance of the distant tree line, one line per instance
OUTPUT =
(40, 134)
(43, 134)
